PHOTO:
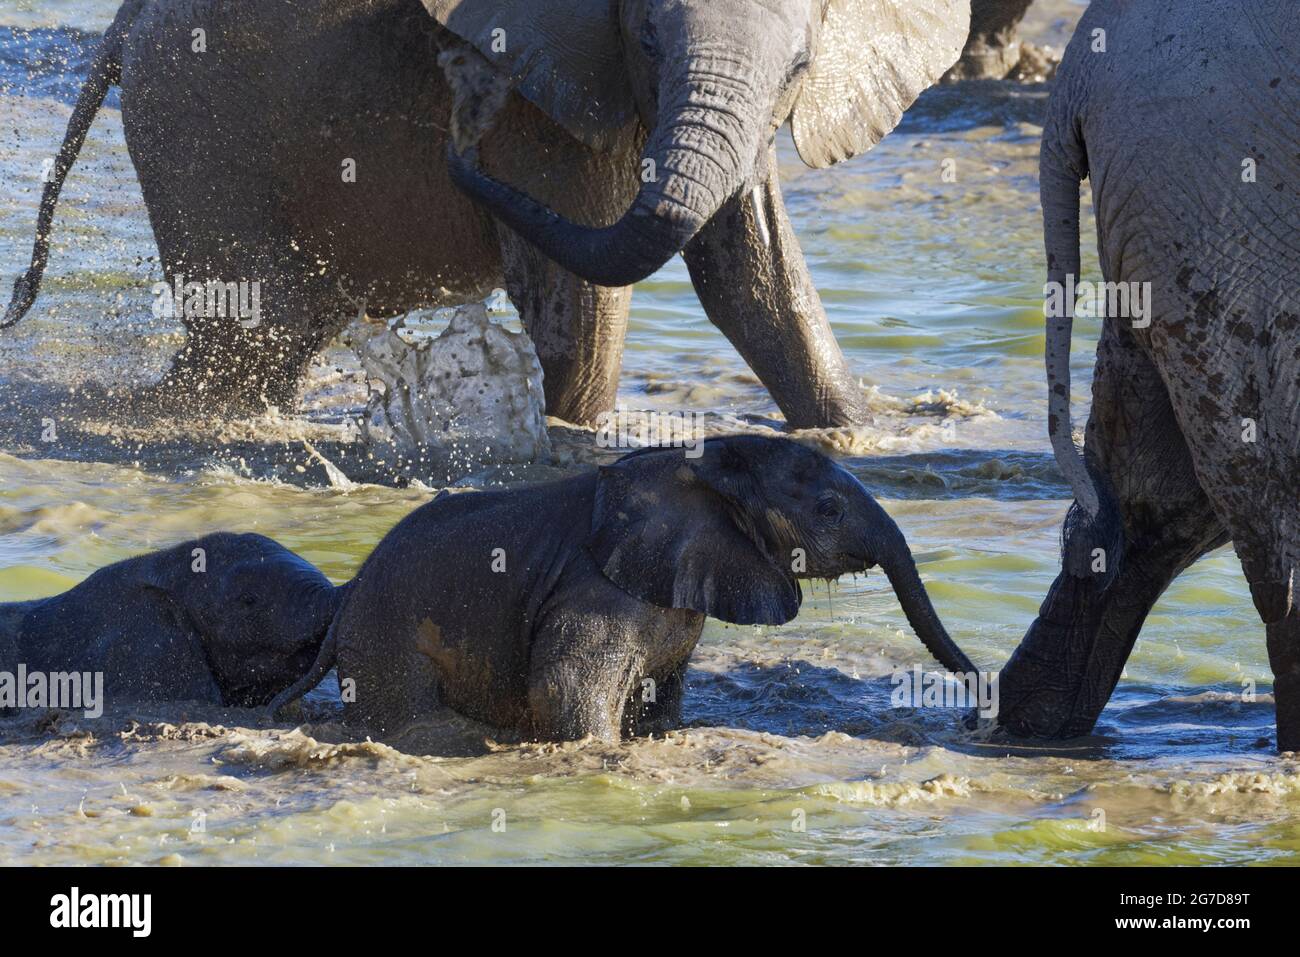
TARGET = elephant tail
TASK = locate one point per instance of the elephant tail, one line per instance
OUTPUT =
(105, 70)
(1062, 167)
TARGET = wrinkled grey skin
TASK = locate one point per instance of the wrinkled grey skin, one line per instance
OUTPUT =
(235, 634)
(548, 610)
(240, 153)
(1161, 124)
(710, 83)
(992, 49)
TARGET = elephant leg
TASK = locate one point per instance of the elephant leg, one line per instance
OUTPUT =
(1284, 657)
(654, 714)
(753, 282)
(234, 363)
(1064, 671)
(1253, 486)
(384, 689)
(1268, 559)
(582, 673)
(577, 329)
(1263, 516)
(991, 50)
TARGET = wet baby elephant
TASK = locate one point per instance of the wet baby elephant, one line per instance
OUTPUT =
(570, 608)
(226, 619)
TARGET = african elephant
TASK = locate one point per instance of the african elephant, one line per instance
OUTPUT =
(226, 619)
(1190, 146)
(302, 152)
(570, 608)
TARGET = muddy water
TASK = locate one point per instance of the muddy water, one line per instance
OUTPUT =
(933, 288)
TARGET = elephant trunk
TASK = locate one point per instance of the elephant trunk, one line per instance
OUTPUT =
(324, 607)
(704, 144)
(327, 604)
(895, 559)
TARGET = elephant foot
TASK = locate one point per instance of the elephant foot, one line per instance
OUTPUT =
(760, 295)
(992, 48)
(576, 395)
(1030, 705)
(1286, 701)
(983, 62)
(1059, 678)
(1019, 61)
(185, 396)
(576, 327)
(841, 408)
(1284, 656)
(232, 378)
(1035, 65)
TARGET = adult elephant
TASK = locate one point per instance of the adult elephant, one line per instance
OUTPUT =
(305, 147)
(1192, 439)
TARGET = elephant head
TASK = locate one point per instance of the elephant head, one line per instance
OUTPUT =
(260, 612)
(711, 81)
(729, 533)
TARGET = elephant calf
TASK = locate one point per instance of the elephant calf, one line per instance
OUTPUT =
(226, 619)
(570, 608)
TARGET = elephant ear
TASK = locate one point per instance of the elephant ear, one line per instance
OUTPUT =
(672, 532)
(873, 59)
(157, 577)
(564, 56)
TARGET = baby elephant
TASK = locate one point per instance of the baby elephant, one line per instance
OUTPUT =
(227, 619)
(570, 608)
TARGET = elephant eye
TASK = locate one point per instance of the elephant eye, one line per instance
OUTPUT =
(829, 508)
(649, 41)
(248, 599)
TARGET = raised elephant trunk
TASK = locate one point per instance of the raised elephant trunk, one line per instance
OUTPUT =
(704, 145)
(895, 559)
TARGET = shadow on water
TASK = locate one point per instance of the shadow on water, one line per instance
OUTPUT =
(961, 473)
(1150, 721)
(797, 698)
(957, 107)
